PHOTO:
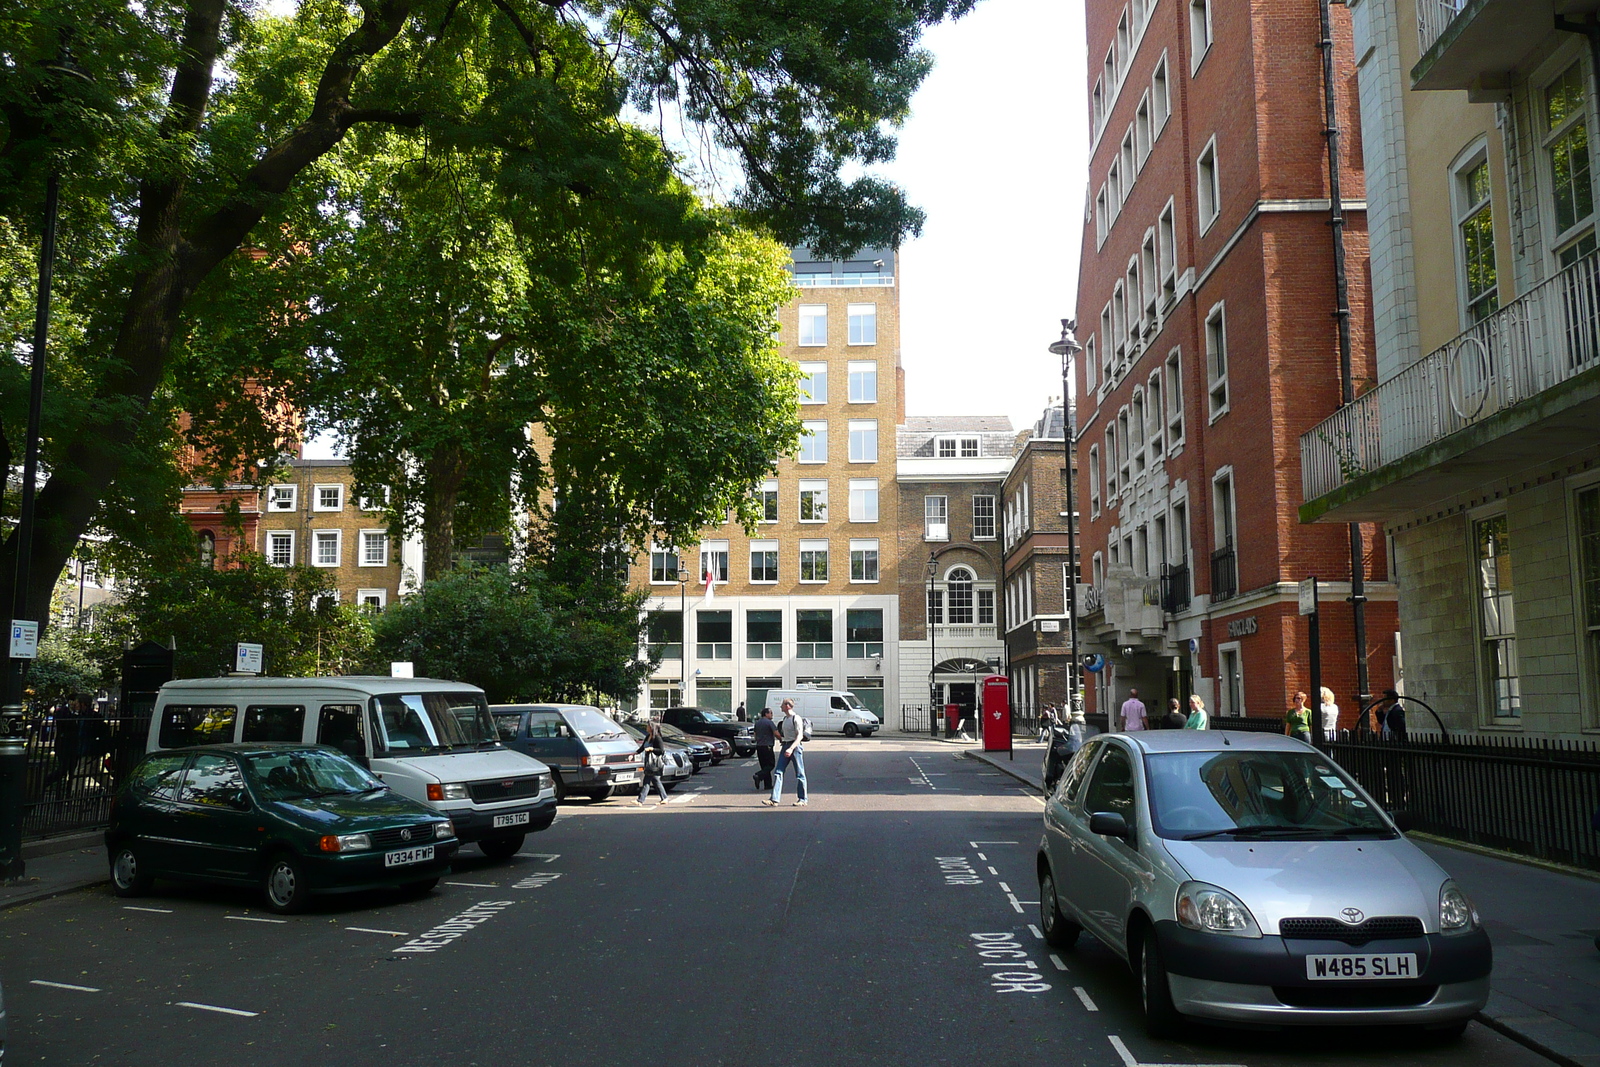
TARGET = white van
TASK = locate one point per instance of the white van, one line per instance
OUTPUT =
(427, 739)
(831, 711)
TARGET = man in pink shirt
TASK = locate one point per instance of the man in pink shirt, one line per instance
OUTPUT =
(1133, 712)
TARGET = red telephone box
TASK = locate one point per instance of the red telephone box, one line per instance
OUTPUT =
(997, 713)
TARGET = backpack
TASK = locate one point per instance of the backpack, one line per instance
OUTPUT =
(805, 729)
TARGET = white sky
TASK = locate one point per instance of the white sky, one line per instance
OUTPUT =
(995, 153)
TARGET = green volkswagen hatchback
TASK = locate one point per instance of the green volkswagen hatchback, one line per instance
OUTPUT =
(296, 820)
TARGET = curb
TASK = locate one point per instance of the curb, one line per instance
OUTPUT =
(1005, 767)
(53, 891)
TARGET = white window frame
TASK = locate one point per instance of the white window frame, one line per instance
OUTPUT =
(279, 501)
(362, 559)
(1142, 127)
(1225, 521)
(863, 500)
(1094, 481)
(1102, 216)
(650, 564)
(809, 315)
(1167, 253)
(1207, 186)
(1160, 98)
(1113, 486)
(1137, 439)
(864, 546)
(1173, 389)
(994, 517)
(1155, 414)
(763, 547)
(813, 547)
(1200, 33)
(322, 537)
(280, 536)
(381, 595)
(1461, 211)
(864, 371)
(709, 553)
(863, 432)
(367, 504)
(866, 314)
(1215, 330)
(771, 486)
(813, 488)
(933, 530)
(1551, 73)
(1090, 368)
(813, 383)
(316, 497)
(813, 442)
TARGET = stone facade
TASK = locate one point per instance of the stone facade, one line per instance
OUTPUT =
(1034, 600)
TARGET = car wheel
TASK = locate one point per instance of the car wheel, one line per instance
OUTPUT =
(850, 729)
(284, 886)
(501, 848)
(1161, 1018)
(419, 889)
(1059, 931)
(603, 794)
(561, 786)
(129, 876)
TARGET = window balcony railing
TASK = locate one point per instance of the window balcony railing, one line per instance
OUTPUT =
(1433, 16)
(1541, 339)
(965, 632)
(814, 281)
(1174, 588)
(1224, 573)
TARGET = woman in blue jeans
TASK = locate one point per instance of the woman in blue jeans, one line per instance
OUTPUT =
(655, 758)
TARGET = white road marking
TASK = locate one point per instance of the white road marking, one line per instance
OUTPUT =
(1083, 995)
(548, 857)
(216, 1008)
(975, 844)
(158, 911)
(1031, 796)
(1129, 1061)
(1057, 961)
(702, 789)
(1036, 931)
(1016, 905)
(922, 772)
(477, 885)
(1003, 887)
(254, 919)
(65, 985)
(994, 872)
(370, 930)
(982, 857)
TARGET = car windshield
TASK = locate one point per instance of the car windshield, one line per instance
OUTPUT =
(422, 722)
(591, 725)
(301, 773)
(1243, 793)
(850, 702)
(711, 716)
(672, 733)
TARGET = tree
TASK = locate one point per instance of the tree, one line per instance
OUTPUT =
(519, 635)
(197, 126)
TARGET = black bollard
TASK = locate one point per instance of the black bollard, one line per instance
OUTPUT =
(13, 772)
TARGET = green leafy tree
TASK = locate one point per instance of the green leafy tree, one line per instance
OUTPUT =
(192, 128)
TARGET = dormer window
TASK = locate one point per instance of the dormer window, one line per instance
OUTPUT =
(957, 448)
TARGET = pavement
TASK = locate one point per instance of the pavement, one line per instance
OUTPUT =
(55, 866)
(1543, 920)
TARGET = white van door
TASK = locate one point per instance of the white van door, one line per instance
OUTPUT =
(824, 719)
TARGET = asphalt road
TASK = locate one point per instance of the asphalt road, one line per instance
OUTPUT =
(712, 932)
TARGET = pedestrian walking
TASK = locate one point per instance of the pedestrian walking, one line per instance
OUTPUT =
(1394, 719)
(766, 738)
(738, 713)
(1133, 712)
(1198, 719)
(1297, 723)
(655, 761)
(1048, 721)
(792, 731)
(79, 733)
(1175, 716)
(1330, 715)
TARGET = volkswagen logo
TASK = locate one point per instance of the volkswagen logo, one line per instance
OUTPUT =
(405, 835)
(1352, 915)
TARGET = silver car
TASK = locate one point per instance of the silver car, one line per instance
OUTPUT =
(1247, 878)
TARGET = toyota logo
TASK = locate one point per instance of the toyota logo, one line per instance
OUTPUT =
(405, 835)
(1352, 915)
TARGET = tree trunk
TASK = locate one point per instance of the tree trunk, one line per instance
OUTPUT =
(445, 470)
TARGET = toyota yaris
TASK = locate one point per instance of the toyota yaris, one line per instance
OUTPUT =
(1247, 878)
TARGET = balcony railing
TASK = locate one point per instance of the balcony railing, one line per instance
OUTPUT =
(810, 281)
(1224, 573)
(1433, 16)
(1175, 588)
(965, 632)
(1541, 339)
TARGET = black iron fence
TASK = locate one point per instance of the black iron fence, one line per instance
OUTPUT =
(1528, 795)
(74, 766)
(1157, 721)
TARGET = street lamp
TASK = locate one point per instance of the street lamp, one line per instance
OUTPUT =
(933, 645)
(683, 632)
(1066, 348)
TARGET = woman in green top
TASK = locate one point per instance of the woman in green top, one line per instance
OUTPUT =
(1297, 724)
(1198, 719)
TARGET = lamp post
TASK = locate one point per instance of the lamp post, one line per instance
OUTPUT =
(933, 655)
(1066, 348)
(683, 632)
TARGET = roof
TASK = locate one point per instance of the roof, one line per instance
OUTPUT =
(371, 683)
(958, 423)
(1212, 740)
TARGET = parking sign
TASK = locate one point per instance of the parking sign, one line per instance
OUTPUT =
(24, 639)
(247, 658)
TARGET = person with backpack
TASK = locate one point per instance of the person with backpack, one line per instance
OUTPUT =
(655, 761)
(794, 732)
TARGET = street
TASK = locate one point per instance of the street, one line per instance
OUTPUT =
(893, 920)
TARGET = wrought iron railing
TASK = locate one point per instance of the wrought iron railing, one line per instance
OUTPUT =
(1174, 588)
(1433, 16)
(1224, 573)
(1543, 338)
(75, 764)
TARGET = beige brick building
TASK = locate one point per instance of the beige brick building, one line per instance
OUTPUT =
(311, 516)
(812, 595)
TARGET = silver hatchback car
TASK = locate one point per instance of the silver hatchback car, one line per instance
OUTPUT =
(1248, 879)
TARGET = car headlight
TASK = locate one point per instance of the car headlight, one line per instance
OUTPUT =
(444, 829)
(1456, 913)
(1214, 911)
(455, 791)
(344, 842)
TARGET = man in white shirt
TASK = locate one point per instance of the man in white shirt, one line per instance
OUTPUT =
(1133, 712)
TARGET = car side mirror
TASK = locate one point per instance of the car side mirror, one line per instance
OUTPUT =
(1402, 821)
(1110, 824)
(562, 731)
(238, 800)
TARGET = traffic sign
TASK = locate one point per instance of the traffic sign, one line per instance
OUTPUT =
(247, 658)
(1308, 596)
(24, 639)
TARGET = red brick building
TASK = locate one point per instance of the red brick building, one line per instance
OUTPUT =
(1206, 309)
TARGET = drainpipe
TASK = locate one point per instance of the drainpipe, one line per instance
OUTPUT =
(1590, 28)
(1341, 314)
